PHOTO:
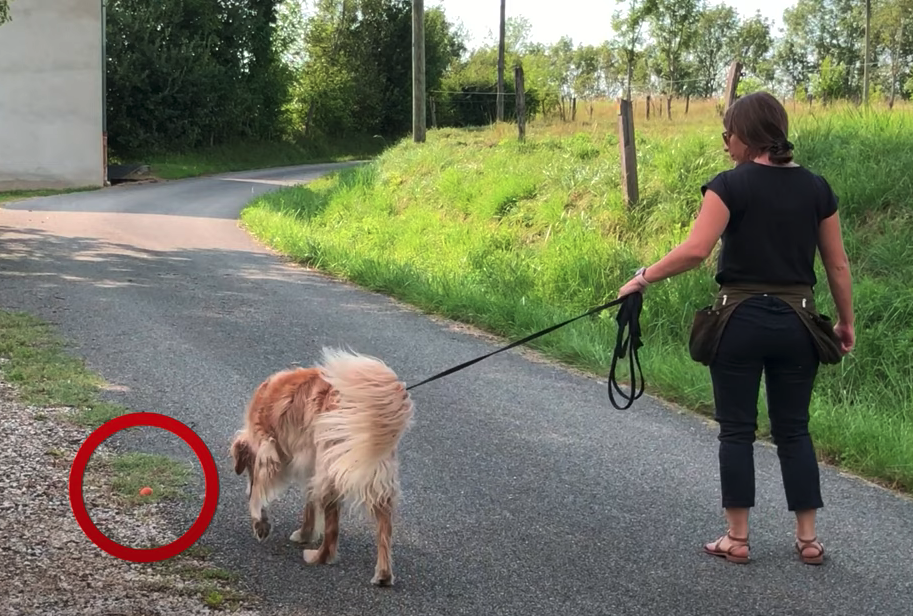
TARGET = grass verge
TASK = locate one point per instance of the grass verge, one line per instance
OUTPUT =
(18, 195)
(256, 155)
(524, 235)
(47, 377)
(46, 374)
(133, 471)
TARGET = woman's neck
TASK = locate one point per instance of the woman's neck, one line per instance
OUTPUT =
(764, 159)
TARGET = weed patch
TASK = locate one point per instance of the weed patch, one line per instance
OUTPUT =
(133, 471)
(46, 375)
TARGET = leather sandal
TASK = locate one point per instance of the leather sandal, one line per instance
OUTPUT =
(802, 545)
(714, 549)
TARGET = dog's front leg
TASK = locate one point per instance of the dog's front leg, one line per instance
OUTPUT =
(258, 517)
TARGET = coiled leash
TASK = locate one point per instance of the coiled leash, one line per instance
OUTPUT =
(628, 318)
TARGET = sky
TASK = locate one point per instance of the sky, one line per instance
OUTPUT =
(585, 21)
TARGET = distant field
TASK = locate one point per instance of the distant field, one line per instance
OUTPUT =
(514, 237)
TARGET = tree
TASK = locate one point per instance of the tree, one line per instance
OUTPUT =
(832, 29)
(892, 22)
(187, 73)
(715, 48)
(586, 65)
(674, 27)
(794, 66)
(358, 68)
(629, 28)
(613, 69)
(5, 14)
(753, 43)
(561, 72)
(517, 32)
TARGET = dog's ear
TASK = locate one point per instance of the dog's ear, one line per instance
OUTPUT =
(243, 456)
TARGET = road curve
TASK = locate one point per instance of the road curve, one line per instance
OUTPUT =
(525, 492)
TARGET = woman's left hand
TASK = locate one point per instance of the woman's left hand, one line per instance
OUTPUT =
(631, 286)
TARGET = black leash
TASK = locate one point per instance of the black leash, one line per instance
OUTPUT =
(628, 318)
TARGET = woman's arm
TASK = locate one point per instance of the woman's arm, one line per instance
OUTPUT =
(709, 226)
(837, 266)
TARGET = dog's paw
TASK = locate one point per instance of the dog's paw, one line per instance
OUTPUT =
(314, 557)
(383, 578)
(301, 537)
(261, 529)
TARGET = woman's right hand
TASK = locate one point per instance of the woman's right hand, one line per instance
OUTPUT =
(847, 334)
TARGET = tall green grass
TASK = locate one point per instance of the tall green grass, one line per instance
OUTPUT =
(514, 237)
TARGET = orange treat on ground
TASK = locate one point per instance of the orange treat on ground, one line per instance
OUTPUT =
(146, 491)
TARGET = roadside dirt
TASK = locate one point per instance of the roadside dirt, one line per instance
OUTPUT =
(50, 567)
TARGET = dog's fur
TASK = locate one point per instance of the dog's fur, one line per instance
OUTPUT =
(334, 429)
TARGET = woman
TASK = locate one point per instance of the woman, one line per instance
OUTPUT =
(771, 214)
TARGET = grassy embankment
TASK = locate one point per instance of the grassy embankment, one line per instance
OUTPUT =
(245, 156)
(514, 237)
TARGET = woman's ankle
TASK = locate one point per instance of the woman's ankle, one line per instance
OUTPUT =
(806, 528)
(737, 519)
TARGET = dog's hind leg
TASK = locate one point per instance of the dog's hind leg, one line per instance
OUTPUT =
(326, 553)
(383, 516)
(308, 531)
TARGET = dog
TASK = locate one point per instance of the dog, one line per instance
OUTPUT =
(334, 429)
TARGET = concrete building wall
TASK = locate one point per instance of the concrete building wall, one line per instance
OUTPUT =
(51, 98)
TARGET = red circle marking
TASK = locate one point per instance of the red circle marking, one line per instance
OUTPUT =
(78, 470)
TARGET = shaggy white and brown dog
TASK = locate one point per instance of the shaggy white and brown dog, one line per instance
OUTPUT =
(333, 429)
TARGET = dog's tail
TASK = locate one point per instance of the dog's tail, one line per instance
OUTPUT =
(361, 433)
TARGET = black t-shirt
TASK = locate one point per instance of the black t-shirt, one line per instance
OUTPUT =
(774, 213)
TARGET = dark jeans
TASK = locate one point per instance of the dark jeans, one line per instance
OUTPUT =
(764, 333)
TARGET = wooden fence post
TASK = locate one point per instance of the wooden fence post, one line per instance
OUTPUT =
(687, 102)
(732, 82)
(433, 113)
(418, 71)
(669, 107)
(628, 153)
(648, 106)
(520, 103)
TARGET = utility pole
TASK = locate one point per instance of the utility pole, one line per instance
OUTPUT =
(418, 71)
(500, 99)
(865, 66)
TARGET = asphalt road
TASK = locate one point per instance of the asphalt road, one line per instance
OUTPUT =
(526, 493)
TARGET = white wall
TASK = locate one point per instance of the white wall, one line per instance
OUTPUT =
(51, 99)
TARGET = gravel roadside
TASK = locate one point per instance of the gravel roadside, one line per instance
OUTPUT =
(50, 567)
